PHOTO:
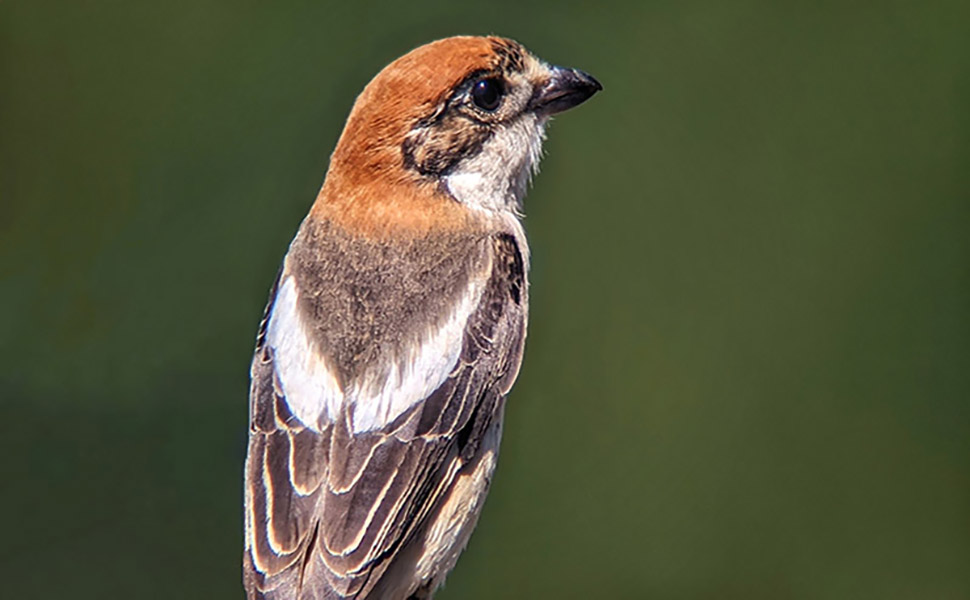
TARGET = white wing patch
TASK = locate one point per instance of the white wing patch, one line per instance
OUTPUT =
(310, 387)
(383, 396)
(384, 392)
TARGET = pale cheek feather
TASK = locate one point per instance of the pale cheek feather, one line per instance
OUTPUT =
(496, 178)
(384, 392)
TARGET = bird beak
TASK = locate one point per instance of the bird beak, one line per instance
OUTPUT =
(564, 89)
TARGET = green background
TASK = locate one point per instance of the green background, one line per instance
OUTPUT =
(748, 370)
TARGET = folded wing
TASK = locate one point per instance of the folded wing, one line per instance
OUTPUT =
(329, 503)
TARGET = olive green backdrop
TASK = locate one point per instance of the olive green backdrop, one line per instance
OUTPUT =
(748, 370)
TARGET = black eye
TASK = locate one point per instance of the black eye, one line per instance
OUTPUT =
(487, 94)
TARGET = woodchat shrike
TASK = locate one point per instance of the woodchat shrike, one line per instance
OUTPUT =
(396, 327)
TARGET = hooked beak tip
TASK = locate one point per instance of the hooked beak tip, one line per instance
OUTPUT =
(564, 89)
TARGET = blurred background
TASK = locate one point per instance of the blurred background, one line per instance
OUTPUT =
(748, 370)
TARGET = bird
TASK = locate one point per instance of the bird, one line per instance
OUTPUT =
(396, 326)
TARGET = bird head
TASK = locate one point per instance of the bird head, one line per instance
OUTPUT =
(457, 121)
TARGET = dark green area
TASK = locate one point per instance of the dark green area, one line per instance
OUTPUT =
(748, 370)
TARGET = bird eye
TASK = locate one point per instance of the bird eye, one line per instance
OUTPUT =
(487, 94)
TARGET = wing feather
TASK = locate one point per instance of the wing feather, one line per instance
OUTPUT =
(328, 507)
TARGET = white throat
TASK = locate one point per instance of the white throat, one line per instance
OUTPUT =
(497, 177)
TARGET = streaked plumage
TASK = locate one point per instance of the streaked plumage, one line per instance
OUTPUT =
(395, 329)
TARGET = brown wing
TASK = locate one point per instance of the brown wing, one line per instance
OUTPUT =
(327, 511)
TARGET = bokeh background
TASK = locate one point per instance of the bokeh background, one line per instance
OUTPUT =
(748, 370)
